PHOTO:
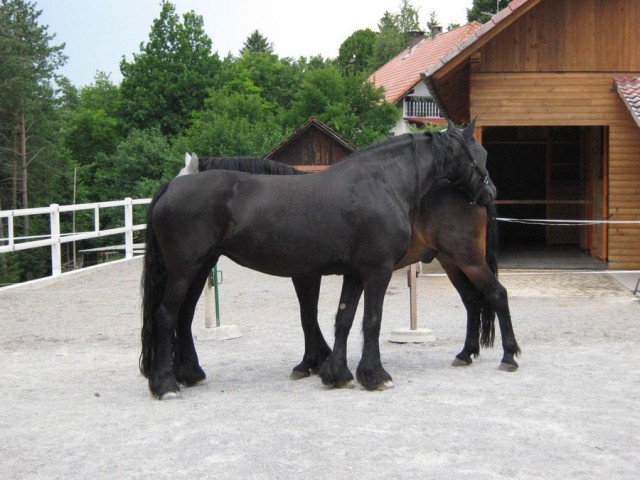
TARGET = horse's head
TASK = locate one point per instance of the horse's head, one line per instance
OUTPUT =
(466, 167)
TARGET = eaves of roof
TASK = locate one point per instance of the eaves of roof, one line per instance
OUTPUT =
(629, 90)
(482, 35)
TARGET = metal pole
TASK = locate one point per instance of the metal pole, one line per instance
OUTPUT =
(216, 294)
(73, 245)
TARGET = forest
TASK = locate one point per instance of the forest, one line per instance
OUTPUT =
(64, 144)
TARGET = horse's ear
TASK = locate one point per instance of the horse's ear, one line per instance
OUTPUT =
(190, 165)
(469, 129)
(450, 125)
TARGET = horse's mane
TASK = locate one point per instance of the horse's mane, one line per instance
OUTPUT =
(442, 145)
(247, 164)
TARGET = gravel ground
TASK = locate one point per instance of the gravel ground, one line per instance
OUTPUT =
(75, 406)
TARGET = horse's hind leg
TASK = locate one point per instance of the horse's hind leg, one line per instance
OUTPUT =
(496, 295)
(316, 349)
(334, 372)
(472, 300)
(162, 379)
(185, 362)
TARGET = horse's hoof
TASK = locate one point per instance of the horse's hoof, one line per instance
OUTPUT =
(347, 385)
(458, 362)
(170, 396)
(386, 385)
(299, 374)
(190, 375)
(508, 367)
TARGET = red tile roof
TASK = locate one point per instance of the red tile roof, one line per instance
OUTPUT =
(629, 91)
(311, 168)
(402, 72)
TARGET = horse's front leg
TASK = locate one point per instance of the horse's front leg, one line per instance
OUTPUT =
(334, 372)
(370, 373)
(316, 349)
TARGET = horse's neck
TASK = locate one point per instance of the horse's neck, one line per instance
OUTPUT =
(406, 167)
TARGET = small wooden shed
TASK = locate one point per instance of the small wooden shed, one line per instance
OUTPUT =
(313, 147)
(555, 87)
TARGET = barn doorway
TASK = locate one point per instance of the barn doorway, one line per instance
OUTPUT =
(550, 173)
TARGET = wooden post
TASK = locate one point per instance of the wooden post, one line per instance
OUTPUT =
(413, 304)
(208, 304)
(211, 303)
(413, 334)
(56, 260)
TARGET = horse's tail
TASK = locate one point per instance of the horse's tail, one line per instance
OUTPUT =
(154, 280)
(488, 315)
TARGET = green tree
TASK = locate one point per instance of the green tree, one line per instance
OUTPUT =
(94, 127)
(407, 19)
(482, 10)
(139, 164)
(432, 23)
(356, 52)
(170, 76)
(395, 30)
(258, 43)
(349, 105)
(234, 123)
(27, 99)
(91, 127)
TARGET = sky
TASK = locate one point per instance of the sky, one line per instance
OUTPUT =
(98, 33)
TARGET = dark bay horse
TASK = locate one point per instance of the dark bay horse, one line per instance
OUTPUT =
(461, 235)
(358, 219)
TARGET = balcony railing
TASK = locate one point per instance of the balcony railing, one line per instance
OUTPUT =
(420, 107)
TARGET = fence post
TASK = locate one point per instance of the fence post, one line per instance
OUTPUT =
(128, 223)
(56, 261)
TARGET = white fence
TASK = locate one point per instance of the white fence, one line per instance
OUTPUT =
(56, 238)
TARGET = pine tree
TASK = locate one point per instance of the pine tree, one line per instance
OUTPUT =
(27, 71)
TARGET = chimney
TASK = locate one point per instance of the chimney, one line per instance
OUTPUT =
(435, 30)
(415, 37)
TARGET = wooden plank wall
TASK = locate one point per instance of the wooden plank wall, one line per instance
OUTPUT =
(569, 36)
(312, 147)
(574, 99)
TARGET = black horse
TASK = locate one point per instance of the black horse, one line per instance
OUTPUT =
(458, 233)
(359, 218)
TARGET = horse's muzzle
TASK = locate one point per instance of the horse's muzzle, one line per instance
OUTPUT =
(487, 194)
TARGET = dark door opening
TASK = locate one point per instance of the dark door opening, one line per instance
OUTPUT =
(543, 173)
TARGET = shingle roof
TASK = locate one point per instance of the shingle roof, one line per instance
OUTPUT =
(402, 72)
(629, 90)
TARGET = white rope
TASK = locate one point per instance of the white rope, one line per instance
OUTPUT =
(542, 221)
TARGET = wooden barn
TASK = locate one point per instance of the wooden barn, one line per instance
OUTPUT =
(555, 87)
(312, 147)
